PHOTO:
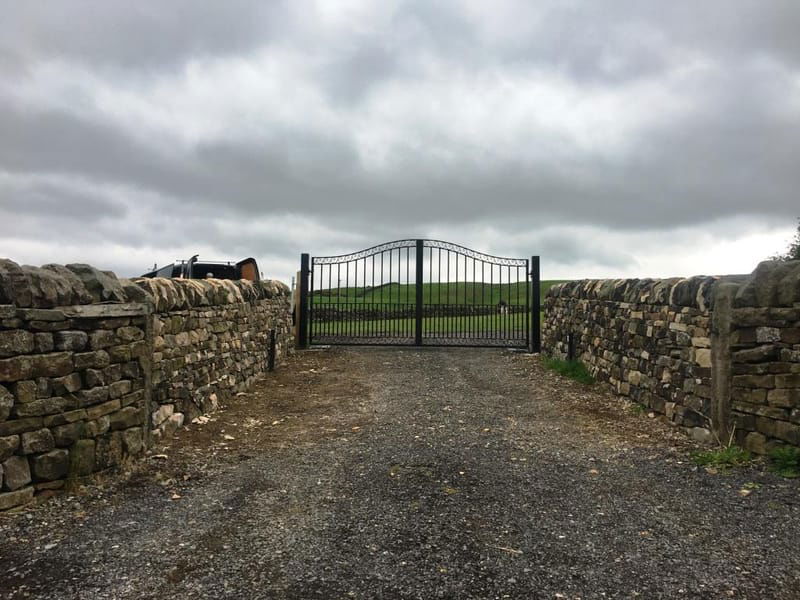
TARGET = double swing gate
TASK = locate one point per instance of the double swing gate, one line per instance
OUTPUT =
(419, 293)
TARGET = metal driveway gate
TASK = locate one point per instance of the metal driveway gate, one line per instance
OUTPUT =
(422, 293)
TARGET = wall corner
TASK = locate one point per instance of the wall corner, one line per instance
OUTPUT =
(721, 369)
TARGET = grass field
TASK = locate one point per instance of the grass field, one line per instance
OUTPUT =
(432, 293)
(508, 324)
(458, 294)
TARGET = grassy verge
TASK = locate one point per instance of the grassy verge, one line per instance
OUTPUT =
(785, 461)
(574, 369)
(638, 408)
(722, 458)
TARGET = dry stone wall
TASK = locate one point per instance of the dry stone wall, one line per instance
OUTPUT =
(72, 394)
(211, 339)
(91, 365)
(765, 355)
(649, 340)
(717, 356)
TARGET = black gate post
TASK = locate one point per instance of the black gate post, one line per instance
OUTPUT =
(536, 306)
(271, 356)
(420, 276)
(302, 329)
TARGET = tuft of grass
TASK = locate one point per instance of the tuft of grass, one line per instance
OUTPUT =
(785, 461)
(574, 369)
(638, 408)
(728, 456)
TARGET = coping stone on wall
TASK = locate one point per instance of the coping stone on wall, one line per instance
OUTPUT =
(102, 285)
(694, 292)
(179, 294)
(40, 287)
(773, 283)
(134, 293)
(71, 289)
(54, 286)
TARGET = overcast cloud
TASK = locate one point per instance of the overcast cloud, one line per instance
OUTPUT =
(615, 138)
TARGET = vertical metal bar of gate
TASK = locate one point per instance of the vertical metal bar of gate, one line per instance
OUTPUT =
(420, 275)
(527, 320)
(302, 329)
(311, 302)
(536, 326)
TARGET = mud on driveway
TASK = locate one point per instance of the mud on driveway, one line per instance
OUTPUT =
(452, 473)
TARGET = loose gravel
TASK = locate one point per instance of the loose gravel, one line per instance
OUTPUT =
(403, 473)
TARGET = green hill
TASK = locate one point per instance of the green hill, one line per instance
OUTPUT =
(432, 293)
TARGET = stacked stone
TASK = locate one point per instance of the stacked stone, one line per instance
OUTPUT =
(765, 339)
(81, 355)
(649, 340)
(210, 341)
(72, 396)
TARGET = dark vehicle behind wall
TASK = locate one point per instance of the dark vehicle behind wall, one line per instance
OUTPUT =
(197, 269)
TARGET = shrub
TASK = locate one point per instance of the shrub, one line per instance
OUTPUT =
(793, 249)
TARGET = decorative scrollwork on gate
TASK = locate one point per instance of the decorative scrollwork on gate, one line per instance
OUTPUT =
(342, 258)
(488, 258)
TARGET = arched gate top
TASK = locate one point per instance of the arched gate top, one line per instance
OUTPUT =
(411, 243)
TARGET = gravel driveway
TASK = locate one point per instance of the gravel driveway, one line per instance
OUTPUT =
(386, 473)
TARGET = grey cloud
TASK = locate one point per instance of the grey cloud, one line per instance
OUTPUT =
(266, 176)
(643, 38)
(732, 151)
(578, 37)
(12, 65)
(739, 28)
(40, 198)
(567, 248)
(618, 40)
(350, 75)
(139, 35)
(443, 28)
(58, 142)
(696, 172)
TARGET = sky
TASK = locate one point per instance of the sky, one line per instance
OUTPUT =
(622, 138)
